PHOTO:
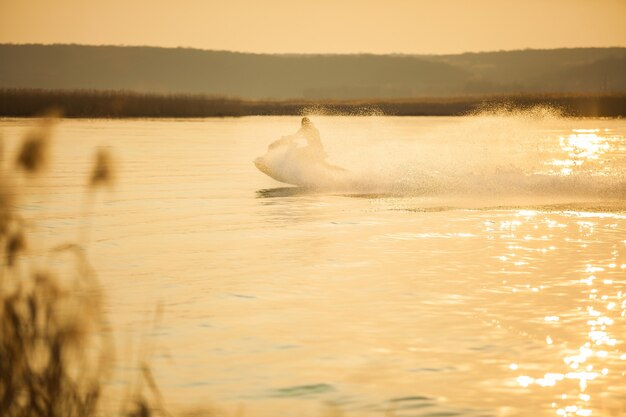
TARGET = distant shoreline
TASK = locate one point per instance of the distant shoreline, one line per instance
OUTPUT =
(125, 104)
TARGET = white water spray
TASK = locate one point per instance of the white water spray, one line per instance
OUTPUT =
(502, 154)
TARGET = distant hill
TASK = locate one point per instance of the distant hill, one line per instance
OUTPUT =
(262, 76)
(575, 70)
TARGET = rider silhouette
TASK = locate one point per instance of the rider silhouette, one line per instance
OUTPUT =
(311, 135)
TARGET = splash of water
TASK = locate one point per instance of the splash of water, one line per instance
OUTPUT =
(497, 153)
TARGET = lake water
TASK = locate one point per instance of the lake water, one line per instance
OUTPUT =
(478, 270)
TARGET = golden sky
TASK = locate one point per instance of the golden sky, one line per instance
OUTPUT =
(319, 26)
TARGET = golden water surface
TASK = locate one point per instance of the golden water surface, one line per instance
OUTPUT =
(500, 293)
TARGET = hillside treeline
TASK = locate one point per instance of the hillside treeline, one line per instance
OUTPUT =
(312, 77)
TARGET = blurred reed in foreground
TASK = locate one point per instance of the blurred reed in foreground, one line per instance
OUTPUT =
(55, 343)
(125, 104)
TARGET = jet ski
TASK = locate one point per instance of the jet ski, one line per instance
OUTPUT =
(287, 162)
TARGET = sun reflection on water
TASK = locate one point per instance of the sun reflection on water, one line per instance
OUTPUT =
(585, 144)
(601, 311)
(582, 146)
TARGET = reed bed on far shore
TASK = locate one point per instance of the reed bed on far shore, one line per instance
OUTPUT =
(126, 104)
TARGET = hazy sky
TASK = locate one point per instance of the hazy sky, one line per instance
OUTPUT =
(326, 26)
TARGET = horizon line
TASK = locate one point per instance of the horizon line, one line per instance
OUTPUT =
(307, 53)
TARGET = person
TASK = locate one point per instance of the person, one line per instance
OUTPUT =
(310, 134)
